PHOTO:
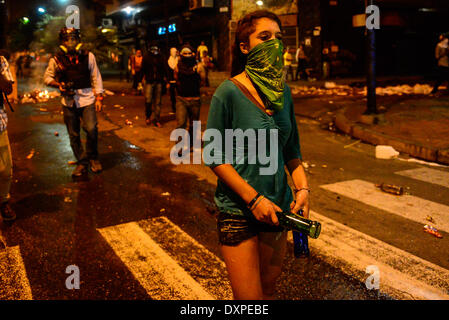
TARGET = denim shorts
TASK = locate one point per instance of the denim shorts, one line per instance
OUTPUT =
(234, 229)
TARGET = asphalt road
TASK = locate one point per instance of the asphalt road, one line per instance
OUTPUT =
(141, 194)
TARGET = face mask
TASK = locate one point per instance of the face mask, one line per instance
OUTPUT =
(264, 67)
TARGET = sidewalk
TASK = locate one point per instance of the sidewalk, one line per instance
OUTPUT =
(409, 119)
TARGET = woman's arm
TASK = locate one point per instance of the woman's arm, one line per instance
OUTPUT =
(301, 186)
(264, 211)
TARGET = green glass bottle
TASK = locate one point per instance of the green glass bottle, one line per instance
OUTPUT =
(295, 222)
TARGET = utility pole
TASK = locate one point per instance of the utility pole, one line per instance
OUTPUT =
(371, 67)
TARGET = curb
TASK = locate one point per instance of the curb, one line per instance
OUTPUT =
(412, 148)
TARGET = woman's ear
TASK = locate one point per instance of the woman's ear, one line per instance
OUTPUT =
(244, 48)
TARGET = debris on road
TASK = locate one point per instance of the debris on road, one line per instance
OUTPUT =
(109, 92)
(129, 123)
(165, 194)
(67, 199)
(433, 231)
(386, 152)
(56, 133)
(390, 188)
(31, 154)
(430, 219)
(162, 210)
(331, 88)
(71, 162)
(352, 144)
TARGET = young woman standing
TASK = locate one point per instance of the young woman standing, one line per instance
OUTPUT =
(252, 242)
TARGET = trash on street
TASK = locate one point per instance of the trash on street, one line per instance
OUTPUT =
(386, 152)
(433, 231)
(31, 154)
(390, 188)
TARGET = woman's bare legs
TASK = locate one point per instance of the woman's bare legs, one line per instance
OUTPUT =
(272, 249)
(242, 263)
(255, 264)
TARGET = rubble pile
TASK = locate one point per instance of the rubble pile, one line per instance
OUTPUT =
(331, 88)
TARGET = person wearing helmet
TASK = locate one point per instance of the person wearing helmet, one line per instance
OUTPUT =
(75, 72)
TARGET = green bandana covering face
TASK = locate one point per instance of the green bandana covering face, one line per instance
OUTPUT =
(264, 67)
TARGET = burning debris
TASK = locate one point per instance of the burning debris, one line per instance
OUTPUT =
(39, 96)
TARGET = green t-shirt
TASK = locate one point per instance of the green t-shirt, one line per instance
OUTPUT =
(231, 109)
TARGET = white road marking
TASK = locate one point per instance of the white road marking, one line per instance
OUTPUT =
(402, 275)
(428, 175)
(407, 206)
(14, 284)
(156, 271)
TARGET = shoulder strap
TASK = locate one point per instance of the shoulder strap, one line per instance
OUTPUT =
(248, 94)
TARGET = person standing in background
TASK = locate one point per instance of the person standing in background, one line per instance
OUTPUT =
(442, 56)
(172, 63)
(302, 60)
(155, 75)
(136, 69)
(188, 88)
(200, 50)
(288, 60)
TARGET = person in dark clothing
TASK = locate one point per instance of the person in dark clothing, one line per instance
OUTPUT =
(155, 75)
(188, 88)
(75, 72)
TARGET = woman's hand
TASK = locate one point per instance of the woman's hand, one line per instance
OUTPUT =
(265, 211)
(301, 202)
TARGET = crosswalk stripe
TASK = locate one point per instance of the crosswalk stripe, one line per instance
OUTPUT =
(204, 266)
(14, 284)
(156, 271)
(402, 274)
(407, 206)
(427, 175)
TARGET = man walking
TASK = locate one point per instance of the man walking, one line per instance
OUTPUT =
(6, 80)
(74, 71)
(155, 75)
(188, 87)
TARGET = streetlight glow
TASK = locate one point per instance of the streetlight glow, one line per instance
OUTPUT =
(259, 3)
(41, 10)
(128, 10)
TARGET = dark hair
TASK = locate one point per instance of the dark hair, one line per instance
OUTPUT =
(245, 27)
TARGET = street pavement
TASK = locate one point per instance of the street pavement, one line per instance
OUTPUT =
(145, 228)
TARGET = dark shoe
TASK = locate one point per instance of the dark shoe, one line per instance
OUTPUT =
(157, 124)
(79, 170)
(7, 213)
(95, 166)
